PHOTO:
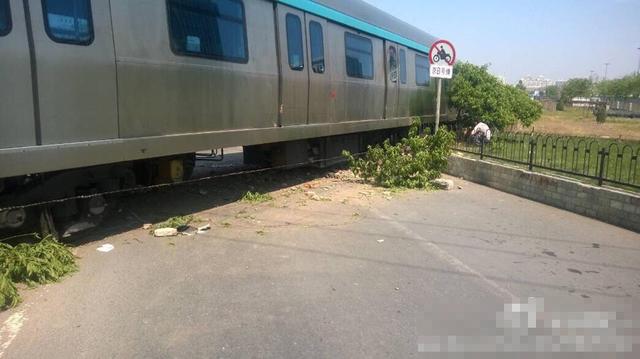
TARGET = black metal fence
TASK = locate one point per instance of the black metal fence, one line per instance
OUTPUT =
(601, 161)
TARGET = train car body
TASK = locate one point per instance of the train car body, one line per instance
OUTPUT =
(89, 83)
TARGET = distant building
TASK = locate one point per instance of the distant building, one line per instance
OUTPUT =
(537, 83)
(561, 83)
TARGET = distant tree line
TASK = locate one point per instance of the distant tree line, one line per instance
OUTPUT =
(626, 87)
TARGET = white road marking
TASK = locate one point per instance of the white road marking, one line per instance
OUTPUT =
(10, 329)
(447, 257)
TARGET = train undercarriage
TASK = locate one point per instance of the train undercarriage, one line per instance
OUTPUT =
(70, 201)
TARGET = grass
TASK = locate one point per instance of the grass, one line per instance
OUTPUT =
(582, 123)
(46, 261)
(255, 197)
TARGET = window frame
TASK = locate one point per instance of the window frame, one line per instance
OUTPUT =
(53, 38)
(236, 60)
(9, 19)
(311, 42)
(373, 63)
(302, 50)
(402, 63)
(428, 83)
(393, 67)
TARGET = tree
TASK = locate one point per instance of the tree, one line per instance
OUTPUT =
(480, 96)
(521, 86)
(576, 88)
(628, 86)
(552, 92)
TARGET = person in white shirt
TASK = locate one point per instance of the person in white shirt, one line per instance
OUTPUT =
(481, 132)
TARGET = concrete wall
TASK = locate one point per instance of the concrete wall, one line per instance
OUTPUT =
(611, 206)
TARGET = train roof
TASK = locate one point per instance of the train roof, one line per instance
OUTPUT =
(367, 18)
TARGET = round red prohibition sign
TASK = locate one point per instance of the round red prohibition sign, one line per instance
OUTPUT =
(442, 52)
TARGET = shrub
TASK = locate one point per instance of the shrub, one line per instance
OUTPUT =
(560, 106)
(46, 261)
(411, 163)
(600, 112)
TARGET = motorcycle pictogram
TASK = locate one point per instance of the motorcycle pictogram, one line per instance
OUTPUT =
(442, 55)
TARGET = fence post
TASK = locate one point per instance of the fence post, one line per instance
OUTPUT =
(532, 148)
(602, 153)
(482, 149)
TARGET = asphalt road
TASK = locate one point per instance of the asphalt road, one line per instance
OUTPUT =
(359, 274)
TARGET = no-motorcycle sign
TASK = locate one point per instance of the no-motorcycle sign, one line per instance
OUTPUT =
(442, 57)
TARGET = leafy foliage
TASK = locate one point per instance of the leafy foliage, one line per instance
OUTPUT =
(44, 262)
(576, 88)
(411, 163)
(600, 112)
(480, 96)
(175, 222)
(628, 86)
(552, 92)
(255, 197)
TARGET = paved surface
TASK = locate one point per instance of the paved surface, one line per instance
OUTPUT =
(361, 273)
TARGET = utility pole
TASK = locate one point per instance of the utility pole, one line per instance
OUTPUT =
(606, 70)
(638, 72)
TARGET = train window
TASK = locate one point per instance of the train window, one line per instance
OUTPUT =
(214, 29)
(68, 21)
(403, 66)
(359, 53)
(317, 47)
(294, 42)
(5, 17)
(422, 70)
(393, 64)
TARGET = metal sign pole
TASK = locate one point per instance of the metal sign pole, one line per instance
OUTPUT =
(438, 105)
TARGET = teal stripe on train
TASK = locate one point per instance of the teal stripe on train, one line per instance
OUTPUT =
(350, 21)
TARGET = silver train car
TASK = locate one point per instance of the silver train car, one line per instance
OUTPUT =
(98, 95)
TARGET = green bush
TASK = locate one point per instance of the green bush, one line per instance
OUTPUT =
(600, 112)
(560, 106)
(46, 261)
(412, 163)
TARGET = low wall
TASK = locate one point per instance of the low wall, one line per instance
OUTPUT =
(611, 206)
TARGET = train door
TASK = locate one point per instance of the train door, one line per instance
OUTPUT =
(76, 70)
(393, 79)
(403, 109)
(294, 67)
(321, 95)
(17, 125)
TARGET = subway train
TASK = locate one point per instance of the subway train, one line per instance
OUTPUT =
(102, 95)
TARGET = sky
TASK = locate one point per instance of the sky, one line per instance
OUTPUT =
(559, 39)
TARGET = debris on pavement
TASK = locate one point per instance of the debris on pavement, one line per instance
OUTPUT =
(381, 241)
(147, 226)
(204, 229)
(106, 248)
(165, 232)
(316, 197)
(443, 184)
